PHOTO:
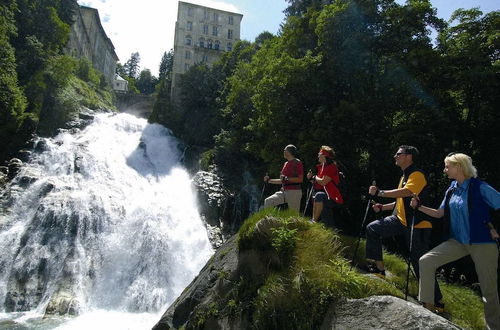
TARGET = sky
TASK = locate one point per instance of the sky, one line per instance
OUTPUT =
(147, 26)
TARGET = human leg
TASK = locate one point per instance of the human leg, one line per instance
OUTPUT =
(275, 199)
(375, 232)
(485, 257)
(420, 245)
(444, 253)
(319, 199)
(293, 198)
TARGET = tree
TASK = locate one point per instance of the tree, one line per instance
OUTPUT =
(146, 82)
(166, 65)
(471, 51)
(132, 67)
(12, 100)
(43, 31)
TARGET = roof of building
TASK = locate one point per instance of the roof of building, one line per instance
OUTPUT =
(197, 5)
(119, 78)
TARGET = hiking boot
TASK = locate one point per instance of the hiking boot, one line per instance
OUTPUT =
(373, 269)
(437, 308)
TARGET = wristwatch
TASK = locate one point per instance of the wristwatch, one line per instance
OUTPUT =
(381, 193)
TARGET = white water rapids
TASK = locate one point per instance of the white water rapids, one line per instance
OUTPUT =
(103, 222)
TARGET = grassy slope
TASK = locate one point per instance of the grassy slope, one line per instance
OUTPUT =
(318, 273)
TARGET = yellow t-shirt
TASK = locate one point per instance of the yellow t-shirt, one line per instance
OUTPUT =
(416, 182)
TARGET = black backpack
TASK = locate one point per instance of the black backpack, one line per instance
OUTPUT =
(342, 185)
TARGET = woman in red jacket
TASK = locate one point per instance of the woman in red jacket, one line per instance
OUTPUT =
(325, 182)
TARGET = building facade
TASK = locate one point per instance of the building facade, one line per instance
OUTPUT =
(88, 40)
(202, 34)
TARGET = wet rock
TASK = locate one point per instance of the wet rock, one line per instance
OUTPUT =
(4, 170)
(28, 177)
(63, 304)
(40, 145)
(86, 115)
(24, 155)
(15, 165)
(220, 207)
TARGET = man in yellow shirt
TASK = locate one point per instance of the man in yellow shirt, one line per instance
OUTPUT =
(413, 181)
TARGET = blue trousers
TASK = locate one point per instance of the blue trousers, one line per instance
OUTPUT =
(390, 227)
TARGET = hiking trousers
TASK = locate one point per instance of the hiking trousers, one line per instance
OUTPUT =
(291, 197)
(391, 226)
(485, 257)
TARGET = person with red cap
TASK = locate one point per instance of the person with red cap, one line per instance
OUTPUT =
(325, 182)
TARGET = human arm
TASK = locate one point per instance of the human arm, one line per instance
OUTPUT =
(394, 193)
(378, 207)
(490, 196)
(435, 213)
(416, 182)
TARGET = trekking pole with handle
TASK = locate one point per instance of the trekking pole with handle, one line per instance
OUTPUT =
(411, 245)
(309, 194)
(362, 225)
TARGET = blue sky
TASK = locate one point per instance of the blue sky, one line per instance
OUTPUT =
(147, 26)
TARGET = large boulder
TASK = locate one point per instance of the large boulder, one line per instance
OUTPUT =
(383, 312)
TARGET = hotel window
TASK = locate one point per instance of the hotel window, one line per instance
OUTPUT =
(188, 40)
(217, 45)
(202, 42)
(209, 43)
(205, 29)
(205, 59)
(190, 11)
(206, 14)
(215, 31)
(190, 26)
(188, 55)
(216, 17)
(229, 46)
(230, 34)
(230, 20)
(186, 67)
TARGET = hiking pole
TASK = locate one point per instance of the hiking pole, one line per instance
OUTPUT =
(409, 255)
(263, 191)
(497, 240)
(362, 225)
(309, 194)
(406, 259)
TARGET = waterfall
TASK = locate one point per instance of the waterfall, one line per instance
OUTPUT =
(102, 224)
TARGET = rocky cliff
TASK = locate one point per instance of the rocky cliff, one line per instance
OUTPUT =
(284, 273)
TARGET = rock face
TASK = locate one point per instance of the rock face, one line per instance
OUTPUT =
(209, 302)
(383, 312)
(222, 211)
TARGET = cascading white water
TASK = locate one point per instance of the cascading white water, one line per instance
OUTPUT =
(104, 224)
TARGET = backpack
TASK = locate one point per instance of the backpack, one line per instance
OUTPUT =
(342, 185)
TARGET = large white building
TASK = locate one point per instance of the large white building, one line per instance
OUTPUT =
(202, 34)
(88, 40)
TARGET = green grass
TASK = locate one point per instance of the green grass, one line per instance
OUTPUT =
(463, 304)
(316, 271)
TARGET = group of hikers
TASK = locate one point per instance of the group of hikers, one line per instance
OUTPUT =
(465, 210)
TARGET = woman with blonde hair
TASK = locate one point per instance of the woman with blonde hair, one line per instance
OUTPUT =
(465, 208)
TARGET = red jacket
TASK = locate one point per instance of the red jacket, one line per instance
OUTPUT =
(330, 188)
